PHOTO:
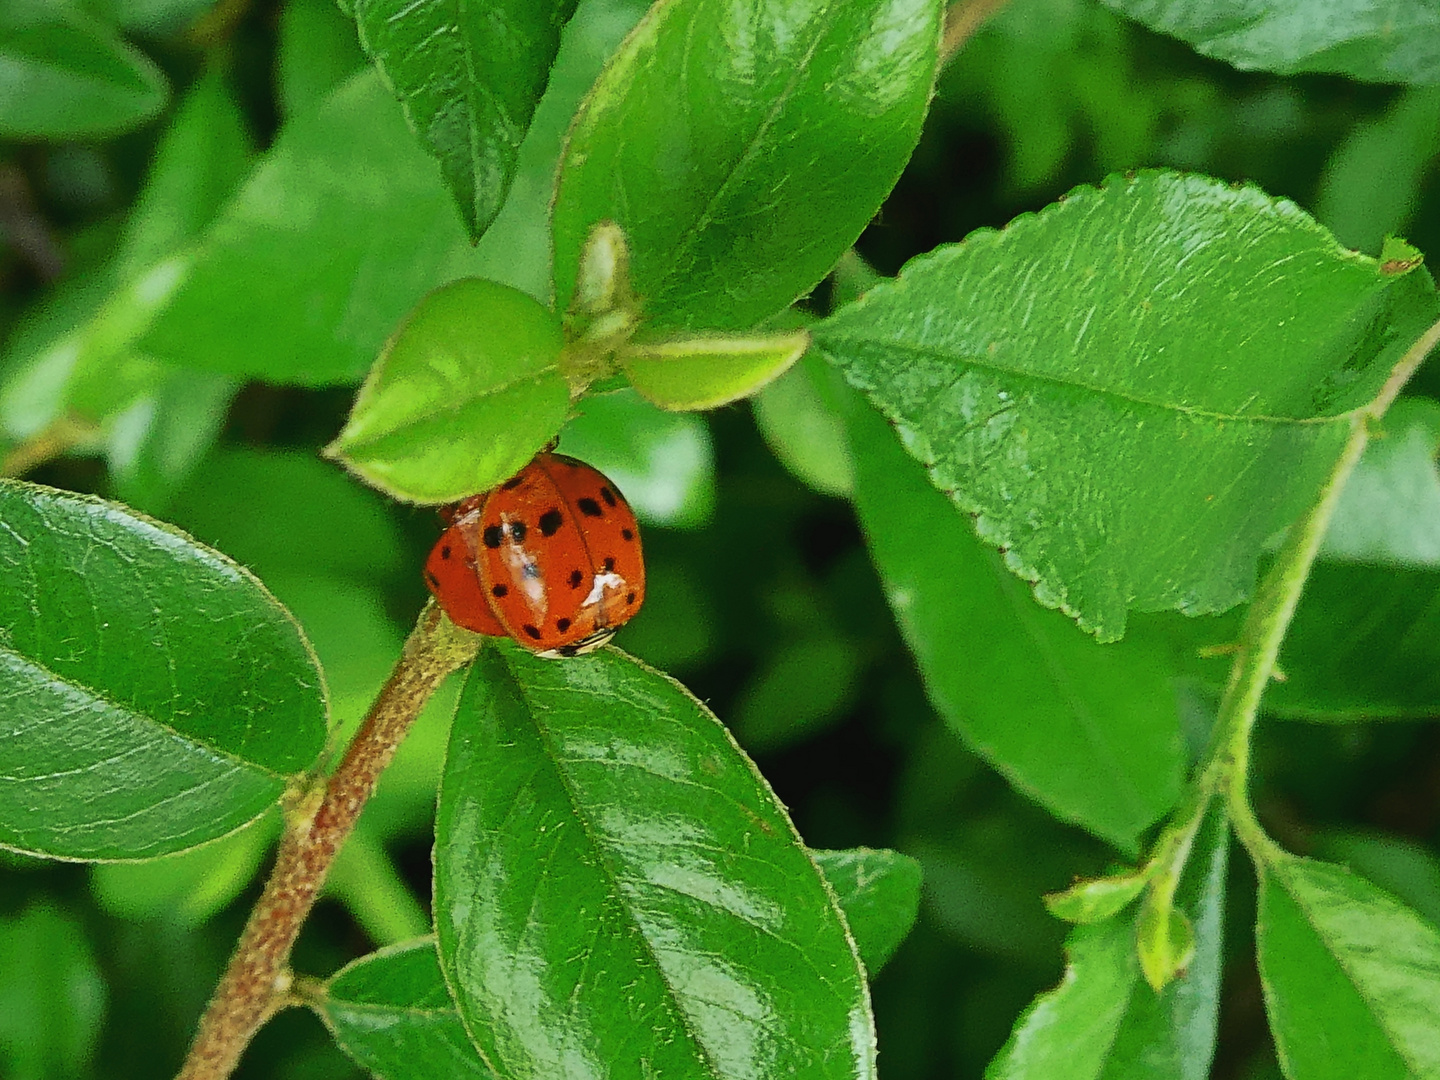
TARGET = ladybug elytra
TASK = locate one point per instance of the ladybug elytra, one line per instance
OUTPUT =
(550, 558)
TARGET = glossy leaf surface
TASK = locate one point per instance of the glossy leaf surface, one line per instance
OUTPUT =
(1131, 423)
(63, 75)
(1103, 1022)
(469, 79)
(879, 891)
(743, 147)
(707, 372)
(155, 696)
(618, 893)
(1350, 976)
(391, 1013)
(463, 396)
(1397, 41)
(1087, 730)
(663, 462)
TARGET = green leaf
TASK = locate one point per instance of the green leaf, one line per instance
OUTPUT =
(799, 420)
(801, 688)
(1103, 1022)
(618, 892)
(1166, 943)
(1362, 204)
(1089, 731)
(469, 79)
(156, 696)
(743, 147)
(1389, 511)
(463, 396)
(391, 1013)
(707, 372)
(318, 51)
(339, 231)
(1409, 870)
(1095, 901)
(663, 461)
(52, 999)
(64, 76)
(152, 17)
(1132, 423)
(879, 892)
(1350, 976)
(1394, 42)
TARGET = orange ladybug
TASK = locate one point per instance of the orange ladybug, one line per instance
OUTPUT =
(550, 558)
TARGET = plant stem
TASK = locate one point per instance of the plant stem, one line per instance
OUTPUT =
(256, 984)
(962, 20)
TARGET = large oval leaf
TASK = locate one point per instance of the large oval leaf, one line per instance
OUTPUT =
(618, 893)
(1136, 388)
(155, 695)
(743, 145)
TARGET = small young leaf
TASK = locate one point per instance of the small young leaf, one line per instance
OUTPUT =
(618, 892)
(663, 461)
(1089, 731)
(1103, 1021)
(462, 397)
(391, 1013)
(1095, 901)
(1183, 392)
(1389, 511)
(156, 696)
(1165, 942)
(1395, 42)
(743, 146)
(707, 372)
(1350, 976)
(879, 892)
(469, 79)
(64, 76)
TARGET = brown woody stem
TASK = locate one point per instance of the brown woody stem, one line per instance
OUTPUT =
(256, 985)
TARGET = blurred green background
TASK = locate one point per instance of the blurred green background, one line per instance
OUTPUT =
(762, 598)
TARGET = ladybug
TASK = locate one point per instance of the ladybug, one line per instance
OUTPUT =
(550, 558)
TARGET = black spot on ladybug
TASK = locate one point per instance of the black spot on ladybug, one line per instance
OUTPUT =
(610, 565)
(589, 507)
(629, 598)
(562, 625)
(550, 522)
(608, 496)
(499, 590)
(445, 552)
(576, 577)
(628, 534)
(533, 631)
(432, 579)
(492, 536)
(517, 532)
(513, 483)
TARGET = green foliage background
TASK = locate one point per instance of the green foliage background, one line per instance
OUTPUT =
(762, 597)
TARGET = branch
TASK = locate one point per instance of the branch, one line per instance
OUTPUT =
(256, 985)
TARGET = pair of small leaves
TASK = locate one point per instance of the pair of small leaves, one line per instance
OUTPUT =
(156, 696)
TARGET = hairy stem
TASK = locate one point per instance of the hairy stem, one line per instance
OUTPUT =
(256, 984)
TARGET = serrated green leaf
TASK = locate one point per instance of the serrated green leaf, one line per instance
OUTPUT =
(1089, 731)
(1389, 511)
(879, 892)
(1132, 423)
(664, 462)
(707, 372)
(469, 79)
(1351, 976)
(1103, 1023)
(743, 147)
(463, 396)
(1095, 901)
(156, 696)
(617, 890)
(64, 76)
(391, 1013)
(805, 429)
(1395, 42)
(52, 999)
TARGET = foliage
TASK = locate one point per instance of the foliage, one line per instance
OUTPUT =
(1079, 531)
